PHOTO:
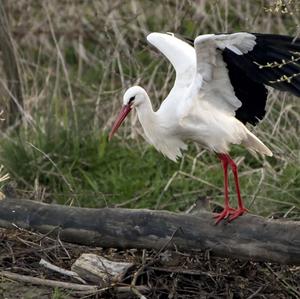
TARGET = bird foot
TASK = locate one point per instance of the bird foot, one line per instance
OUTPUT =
(224, 214)
(239, 212)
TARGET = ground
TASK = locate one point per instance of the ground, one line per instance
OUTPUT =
(167, 274)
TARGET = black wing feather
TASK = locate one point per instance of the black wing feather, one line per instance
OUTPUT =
(274, 61)
(250, 72)
(252, 94)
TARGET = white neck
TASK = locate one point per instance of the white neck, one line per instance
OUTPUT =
(147, 117)
(157, 130)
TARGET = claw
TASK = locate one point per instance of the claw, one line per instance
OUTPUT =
(239, 212)
(224, 214)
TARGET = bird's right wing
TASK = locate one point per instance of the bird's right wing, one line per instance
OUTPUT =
(233, 69)
(211, 79)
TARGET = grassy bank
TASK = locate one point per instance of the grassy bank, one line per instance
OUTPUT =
(77, 58)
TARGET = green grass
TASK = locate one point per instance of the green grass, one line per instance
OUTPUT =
(62, 153)
(87, 170)
(59, 294)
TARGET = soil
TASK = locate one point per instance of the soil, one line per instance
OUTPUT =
(166, 274)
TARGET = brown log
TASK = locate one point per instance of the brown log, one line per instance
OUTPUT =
(249, 237)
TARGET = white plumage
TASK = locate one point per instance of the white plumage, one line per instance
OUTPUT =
(202, 104)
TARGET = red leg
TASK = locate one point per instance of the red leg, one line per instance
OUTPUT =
(241, 208)
(227, 209)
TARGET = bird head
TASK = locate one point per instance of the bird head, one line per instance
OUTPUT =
(133, 98)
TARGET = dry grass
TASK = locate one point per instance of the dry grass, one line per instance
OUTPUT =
(78, 57)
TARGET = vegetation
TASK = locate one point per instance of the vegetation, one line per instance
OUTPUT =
(78, 57)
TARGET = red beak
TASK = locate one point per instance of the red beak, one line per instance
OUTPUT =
(122, 115)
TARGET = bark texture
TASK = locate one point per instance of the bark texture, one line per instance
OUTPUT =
(249, 237)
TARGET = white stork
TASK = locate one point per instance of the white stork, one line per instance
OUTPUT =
(219, 87)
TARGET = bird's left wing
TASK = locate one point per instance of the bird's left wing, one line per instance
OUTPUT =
(181, 55)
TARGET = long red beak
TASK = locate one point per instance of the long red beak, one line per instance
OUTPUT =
(122, 115)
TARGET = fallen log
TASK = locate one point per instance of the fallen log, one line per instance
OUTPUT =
(249, 237)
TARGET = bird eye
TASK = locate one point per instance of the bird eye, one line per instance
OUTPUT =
(131, 99)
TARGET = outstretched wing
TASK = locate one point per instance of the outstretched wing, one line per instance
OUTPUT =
(212, 79)
(233, 69)
(182, 57)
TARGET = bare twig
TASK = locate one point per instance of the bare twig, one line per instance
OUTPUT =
(48, 282)
(66, 285)
(61, 270)
(183, 271)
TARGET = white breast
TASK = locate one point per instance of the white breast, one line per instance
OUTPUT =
(212, 128)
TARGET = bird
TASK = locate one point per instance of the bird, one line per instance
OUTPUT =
(220, 87)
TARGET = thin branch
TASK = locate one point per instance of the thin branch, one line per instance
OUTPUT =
(88, 289)
(48, 282)
(55, 268)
